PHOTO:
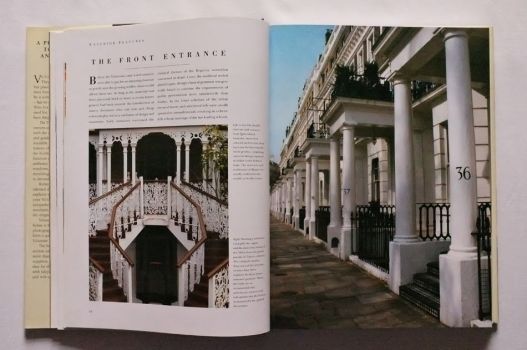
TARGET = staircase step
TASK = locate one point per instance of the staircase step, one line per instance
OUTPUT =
(421, 298)
(428, 282)
(433, 268)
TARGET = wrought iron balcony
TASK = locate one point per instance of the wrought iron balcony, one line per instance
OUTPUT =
(318, 131)
(422, 88)
(368, 86)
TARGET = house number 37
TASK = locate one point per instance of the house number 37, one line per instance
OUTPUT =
(463, 172)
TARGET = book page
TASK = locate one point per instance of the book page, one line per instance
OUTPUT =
(37, 254)
(164, 137)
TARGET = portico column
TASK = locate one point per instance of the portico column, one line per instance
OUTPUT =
(458, 268)
(204, 174)
(404, 163)
(307, 196)
(334, 189)
(314, 196)
(296, 197)
(178, 163)
(134, 175)
(187, 162)
(125, 163)
(100, 156)
(108, 168)
(348, 188)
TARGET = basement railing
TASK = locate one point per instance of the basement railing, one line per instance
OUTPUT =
(219, 285)
(215, 211)
(483, 240)
(374, 227)
(100, 208)
(322, 219)
(434, 221)
(191, 266)
(96, 280)
(301, 217)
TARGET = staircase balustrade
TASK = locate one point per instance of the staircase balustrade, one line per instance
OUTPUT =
(96, 280)
(219, 285)
(121, 266)
(215, 211)
(191, 266)
(100, 208)
(126, 212)
(155, 197)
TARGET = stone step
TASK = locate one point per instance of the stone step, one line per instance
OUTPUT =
(421, 298)
(428, 282)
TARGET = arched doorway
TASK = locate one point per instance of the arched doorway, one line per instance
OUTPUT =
(156, 156)
(195, 166)
(117, 162)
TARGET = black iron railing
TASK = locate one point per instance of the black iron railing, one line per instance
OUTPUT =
(369, 85)
(318, 131)
(374, 226)
(434, 221)
(291, 215)
(422, 88)
(301, 217)
(483, 239)
(322, 218)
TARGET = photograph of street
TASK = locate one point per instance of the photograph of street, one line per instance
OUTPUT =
(381, 177)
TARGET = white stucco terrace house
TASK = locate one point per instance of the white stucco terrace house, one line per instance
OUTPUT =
(158, 216)
(387, 162)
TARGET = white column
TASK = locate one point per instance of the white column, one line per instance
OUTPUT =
(334, 186)
(348, 174)
(458, 269)
(204, 174)
(108, 168)
(307, 196)
(100, 156)
(461, 142)
(125, 163)
(404, 163)
(134, 175)
(314, 196)
(289, 198)
(187, 162)
(296, 197)
(348, 188)
(178, 163)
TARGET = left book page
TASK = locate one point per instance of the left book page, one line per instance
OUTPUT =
(37, 295)
(161, 134)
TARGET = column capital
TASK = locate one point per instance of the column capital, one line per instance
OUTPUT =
(449, 33)
(125, 149)
(399, 78)
(109, 149)
(347, 127)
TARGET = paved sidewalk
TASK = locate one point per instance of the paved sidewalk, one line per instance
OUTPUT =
(310, 288)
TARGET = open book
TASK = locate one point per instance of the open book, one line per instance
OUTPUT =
(159, 178)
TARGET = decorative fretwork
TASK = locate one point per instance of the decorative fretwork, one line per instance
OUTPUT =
(92, 191)
(155, 198)
(101, 208)
(219, 288)
(215, 212)
(96, 280)
(127, 213)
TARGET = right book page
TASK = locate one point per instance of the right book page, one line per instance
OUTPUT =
(381, 177)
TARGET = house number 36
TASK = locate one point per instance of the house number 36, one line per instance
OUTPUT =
(464, 173)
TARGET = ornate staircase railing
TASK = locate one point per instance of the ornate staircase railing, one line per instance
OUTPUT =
(191, 266)
(322, 218)
(219, 285)
(155, 197)
(215, 211)
(121, 263)
(96, 280)
(101, 207)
